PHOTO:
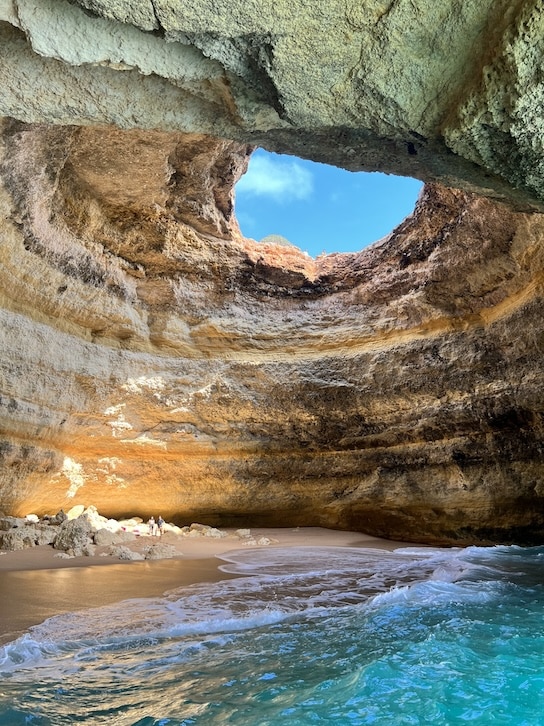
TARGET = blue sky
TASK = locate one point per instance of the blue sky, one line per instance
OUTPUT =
(320, 208)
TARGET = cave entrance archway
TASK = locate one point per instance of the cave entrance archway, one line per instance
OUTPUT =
(320, 208)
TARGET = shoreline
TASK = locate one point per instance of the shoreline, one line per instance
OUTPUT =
(36, 585)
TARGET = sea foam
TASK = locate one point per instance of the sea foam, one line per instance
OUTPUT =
(319, 635)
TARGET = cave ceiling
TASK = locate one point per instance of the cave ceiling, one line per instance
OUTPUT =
(434, 90)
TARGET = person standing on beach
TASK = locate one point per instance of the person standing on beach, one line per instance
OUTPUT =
(151, 523)
(160, 524)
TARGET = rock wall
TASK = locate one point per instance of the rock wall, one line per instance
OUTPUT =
(150, 357)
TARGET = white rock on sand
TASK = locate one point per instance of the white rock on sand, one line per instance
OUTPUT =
(83, 532)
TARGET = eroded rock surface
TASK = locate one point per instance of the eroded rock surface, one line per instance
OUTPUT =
(149, 353)
(444, 92)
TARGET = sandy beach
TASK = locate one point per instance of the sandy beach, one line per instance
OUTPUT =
(35, 584)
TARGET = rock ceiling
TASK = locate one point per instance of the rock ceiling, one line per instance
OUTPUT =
(151, 357)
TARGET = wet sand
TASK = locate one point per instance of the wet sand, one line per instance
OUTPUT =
(35, 585)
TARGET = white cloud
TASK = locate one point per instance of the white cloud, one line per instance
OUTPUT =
(280, 179)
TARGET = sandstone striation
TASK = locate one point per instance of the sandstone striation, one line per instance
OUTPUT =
(150, 355)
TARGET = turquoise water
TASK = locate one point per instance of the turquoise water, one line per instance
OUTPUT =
(307, 636)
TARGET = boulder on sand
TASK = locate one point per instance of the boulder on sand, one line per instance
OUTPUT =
(124, 553)
(74, 536)
(27, 535)
(105, 537)
(160, 551)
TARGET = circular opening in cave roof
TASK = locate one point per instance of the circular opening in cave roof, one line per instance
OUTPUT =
(320, 208)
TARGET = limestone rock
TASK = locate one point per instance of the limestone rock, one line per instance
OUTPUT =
(264, 541)
(28, 535)
(104, 537)
(260, 542)
(7, 523)
(149, 354)
(124, 553)
(203, 530)
(441, 92)
(44, 534)
(249, 542)
(74, 536)
(197, 527)
(96, 521)
(243, 533)
(16, 539)
(112, 525)
(160, 551)
(57, 518)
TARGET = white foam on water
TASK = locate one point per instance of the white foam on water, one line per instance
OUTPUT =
(434, 593)
(305, 635)
(279, 583)
(25, 649)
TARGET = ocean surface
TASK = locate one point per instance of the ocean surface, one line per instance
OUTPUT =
(306, 636)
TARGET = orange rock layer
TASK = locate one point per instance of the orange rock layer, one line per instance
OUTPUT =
(152, 359)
